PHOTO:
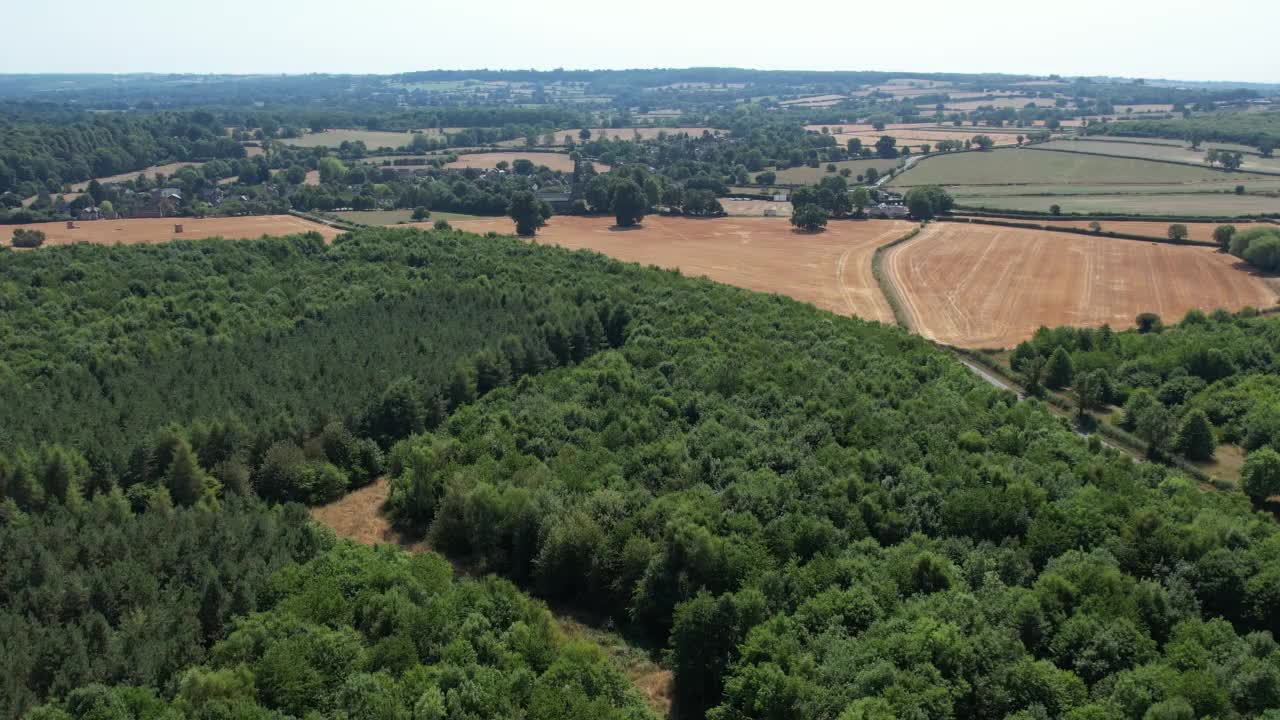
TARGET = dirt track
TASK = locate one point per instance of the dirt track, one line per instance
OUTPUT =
(831, 269)
(156, 230)
(986, 287)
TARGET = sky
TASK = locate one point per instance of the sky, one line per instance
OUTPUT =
(1173, 39)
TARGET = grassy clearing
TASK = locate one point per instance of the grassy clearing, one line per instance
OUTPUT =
(1027, 166)
(1207, 204)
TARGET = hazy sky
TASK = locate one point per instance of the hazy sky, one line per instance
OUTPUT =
(1180, 39)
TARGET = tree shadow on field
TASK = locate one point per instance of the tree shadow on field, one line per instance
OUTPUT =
(625, 228)
(802, 231)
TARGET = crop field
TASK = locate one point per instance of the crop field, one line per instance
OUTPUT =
(158, 230)
(1153, 151)
(555, 161)
(805, 175)
(1225, 205)
(1026, 166)
(831, 269)
(981, 286)
(399, 217)
(814, 101)
(755, 208)
(373, 139)
(646, 132)
(1124, 140)
(1202, 232)
(1004, 102)
(916, 137)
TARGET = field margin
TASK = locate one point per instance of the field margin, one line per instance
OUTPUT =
(886, 287)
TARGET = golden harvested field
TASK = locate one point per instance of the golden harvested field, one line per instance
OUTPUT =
(157, 230)
(755, 208)
(914, 138)
(150, 172)
(981, 286)
(1197, 231)
(555, 161)
(831, 269)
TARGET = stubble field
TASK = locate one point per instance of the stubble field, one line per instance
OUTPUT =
(158, 230)
(831, 270)
(990, 287)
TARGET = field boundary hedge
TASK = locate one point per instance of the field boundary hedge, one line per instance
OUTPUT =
(330, 221)
(1078, 231)
(886, 287)
(1113, 217)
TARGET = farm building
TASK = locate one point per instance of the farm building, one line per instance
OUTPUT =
(887, 211)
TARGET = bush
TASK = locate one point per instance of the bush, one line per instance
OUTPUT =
(442, 224)
(1178, 232)
(24, 238)
(1149, 322)
(421, 213)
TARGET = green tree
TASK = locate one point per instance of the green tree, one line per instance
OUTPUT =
(1178, 232)
(809, 217)
(184, 479)
(629, 203)
(1195, 436)
(984, 142)
(1223, 234)
(928, 201)
(1260, 478)
(860, 198)
(331, 170)
(1156, 426)
(1060, 371)
(526, 210)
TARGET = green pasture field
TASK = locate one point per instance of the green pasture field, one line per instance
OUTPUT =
(805, 175)
(1208, 204)
(1154, 151)
(1176, 142)
(373, 139)
(1271, 184)
(1024, 166)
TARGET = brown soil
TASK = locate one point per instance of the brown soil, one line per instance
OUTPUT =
(830, 269)
(155, 230)
(987, 287)
(358, 517)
